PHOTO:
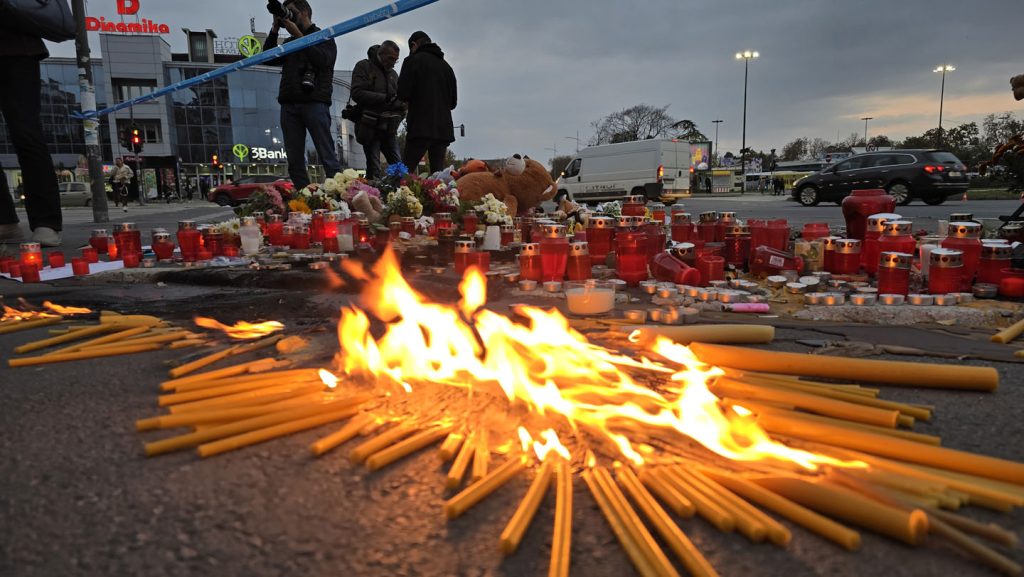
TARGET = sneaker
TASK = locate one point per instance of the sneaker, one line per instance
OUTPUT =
(46, 236)
(11, 233)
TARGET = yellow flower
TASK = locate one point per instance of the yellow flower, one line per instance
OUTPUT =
(299, 205)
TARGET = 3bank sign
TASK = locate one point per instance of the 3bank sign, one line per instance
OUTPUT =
(242, 152)
(126, 8)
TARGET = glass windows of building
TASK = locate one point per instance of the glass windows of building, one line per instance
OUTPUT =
(150, 131)
(128, 88)
(202, 115)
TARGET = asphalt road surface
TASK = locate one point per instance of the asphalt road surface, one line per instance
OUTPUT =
(77, 497)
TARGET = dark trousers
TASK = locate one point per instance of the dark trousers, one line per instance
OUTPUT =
(20, 104)
(416, 147)
(383, 142)
(296, 121)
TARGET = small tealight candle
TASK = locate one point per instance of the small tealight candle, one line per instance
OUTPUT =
(56, 258)
(131, 260)
(29, 274)
(79, 266)
(90, 254)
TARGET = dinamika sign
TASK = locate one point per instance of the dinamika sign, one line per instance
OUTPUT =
(126, 8)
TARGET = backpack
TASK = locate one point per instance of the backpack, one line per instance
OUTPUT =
(49, 19)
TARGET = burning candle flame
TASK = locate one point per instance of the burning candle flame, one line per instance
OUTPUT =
(329, 379)
(241, 330)
(61, 310)
(548, 367)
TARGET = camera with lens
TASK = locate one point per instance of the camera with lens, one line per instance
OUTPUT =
(276, 9)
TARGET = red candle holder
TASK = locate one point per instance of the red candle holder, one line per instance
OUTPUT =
(230, 251)
(79, 266)
(90, 254)
(130, 260)
(330, 244)
(14, 270)
(5, 264)
(204, 254)
(56, 259)
(480, 260)
(29, 274)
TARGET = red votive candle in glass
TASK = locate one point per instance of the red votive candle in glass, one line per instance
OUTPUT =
(894, 273)
(870, 250)
(578, 265)
(707, 226)
(56, 259)
(409, 225)
(79, 266)
(897, 238)
(682, 228)
(204, 254)
(669, 266)
(275, 230)
(98, 240)
(994, 258)
(846, 259)
(330, 244)
(470, 222)
(711, 267)
(232, 250)
(828, 250)
(815, 230)
(737, 245)
(600, 232)
(130, 260)
(188, 239)
(463, 248)
(5, 264)
(163, 246)
(726, 220)
(965, 237)
(658, 213)
(112, 251)
(945, 271)
(300, 238)
(90, 254)
(480, 260)
(554, 253)
(635, 205)
(316, 225)
(30, 273)
(31, 254)
(508, 234)
(630, 251)
(15, 270)
(529, 262)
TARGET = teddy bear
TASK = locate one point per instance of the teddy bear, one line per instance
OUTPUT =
(370, 206)
(522, 184)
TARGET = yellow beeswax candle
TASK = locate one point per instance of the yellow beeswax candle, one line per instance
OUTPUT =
(733, 334)
(16, 326)
(481, 455)
(561, 540)
(645, 542)
(406, 447)
(60, 339)
(450, 446)
(81, 355)
(706, 507)
(342, 435)
(181, 371)
(748, 525)
(1009, 333)
(668, 494)
(273, 432)
(520, 521)
(457, 472)
(385, 439)
(476, 492)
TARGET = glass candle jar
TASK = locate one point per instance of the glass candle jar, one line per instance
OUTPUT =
(529, 262)
(634, 205)
(128, 238)
(965, 237)
(658, 213)
(409, 225)
(79, 266)
(860, 205)
(445, 246)
(163, 246)
(668, 267)
(300, 238)
(91, 255)
(682, 227)
(470, 221)
(707, 226)
(1012, 232)
(815, 230)
(897, 238)
(331, 222)
(578, 265)
(480, 260)
(508, 234)
(98, 240)
(188, 239)
(130, 260)
(316, 226)
(346, 236)
(630, 253)
(252, 239)
(828, 250)
(363, 233)
(894, 273)
(945, 271)
(554, 253)
(768, 261)
(686, 252)
(600, 233)
(726, 220)
(711, 268)
(737, 246)
(994, 258)
(275, 230)
(656, 238)
(873, 232)
(29, 273)
(461, 255)
(212, 241)
(847, 256)
(442, 220)
(31, 255)
(777, 235)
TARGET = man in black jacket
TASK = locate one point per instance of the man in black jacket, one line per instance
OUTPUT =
(305, 92)
(375, 90)
(427, 84)
(20, 54)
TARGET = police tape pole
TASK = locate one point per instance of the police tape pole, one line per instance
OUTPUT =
(372, 17)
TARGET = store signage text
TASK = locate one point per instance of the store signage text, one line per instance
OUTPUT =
(260, 153)
(126, 8)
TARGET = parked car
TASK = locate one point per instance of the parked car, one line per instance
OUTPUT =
(931, 175)
(234, 193)
(75, 194)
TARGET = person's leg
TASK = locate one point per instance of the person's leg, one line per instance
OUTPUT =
(294, 133)
(317, 117)
(20, 101)
(414, 150)
(371, 149)
(389, 146)
(436, 153)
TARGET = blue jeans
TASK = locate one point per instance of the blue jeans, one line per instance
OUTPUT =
(296, 120)
(385, 142)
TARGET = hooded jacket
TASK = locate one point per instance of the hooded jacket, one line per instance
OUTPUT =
(427, 84)
(320, 57)
(373, 86)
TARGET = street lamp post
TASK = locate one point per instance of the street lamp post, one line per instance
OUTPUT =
(944, 68)
(746, 56)
(577, 139)
(716, 123)
(866, 119)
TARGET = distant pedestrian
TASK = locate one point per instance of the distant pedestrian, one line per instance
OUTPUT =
(307, 82)
(122, 180)
(780, 186)
(427, 84)
(20, 103)
(707, 184)
(375, 90)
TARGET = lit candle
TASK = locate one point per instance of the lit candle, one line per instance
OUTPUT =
(735, 334)
(520, 521)
(476, 492)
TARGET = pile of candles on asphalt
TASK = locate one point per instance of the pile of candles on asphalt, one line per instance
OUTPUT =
(724, 433)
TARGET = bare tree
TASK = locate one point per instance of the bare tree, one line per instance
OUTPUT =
(687, 130)
(558, 164)
(817, 147)
(640, 122)
(794, 150)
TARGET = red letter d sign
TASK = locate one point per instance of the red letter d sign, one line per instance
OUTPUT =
(127, 6)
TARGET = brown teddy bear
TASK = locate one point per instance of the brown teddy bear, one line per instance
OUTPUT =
(523, 184)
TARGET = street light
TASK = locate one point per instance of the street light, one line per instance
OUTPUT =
(943, 68)
(716, 123)
(577, 139)
(866, 119)
(746, 56)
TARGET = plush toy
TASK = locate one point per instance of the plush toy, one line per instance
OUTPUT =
(520, 193)
(515, 165)
(371, 206)
(472, 165)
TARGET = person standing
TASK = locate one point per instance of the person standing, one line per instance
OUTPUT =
(375, 89)
(122, 179)
(307, 82)
(427, 84)
(20, 98)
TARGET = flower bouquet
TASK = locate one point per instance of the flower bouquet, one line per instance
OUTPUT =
(402, 202)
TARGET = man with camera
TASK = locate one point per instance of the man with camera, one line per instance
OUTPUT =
(305, 90)
(375, 91)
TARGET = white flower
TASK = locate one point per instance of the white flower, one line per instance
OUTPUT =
(330, 186)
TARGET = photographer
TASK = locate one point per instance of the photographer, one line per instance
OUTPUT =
(375, 90)
(305, 90)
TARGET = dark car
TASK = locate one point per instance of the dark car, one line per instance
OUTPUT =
(238, 191)
(931, 175)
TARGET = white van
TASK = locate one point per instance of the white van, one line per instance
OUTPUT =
(653, 168)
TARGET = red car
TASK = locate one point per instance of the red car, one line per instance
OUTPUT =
(238, 191)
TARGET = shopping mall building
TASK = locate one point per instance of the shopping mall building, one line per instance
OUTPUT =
(235, 117)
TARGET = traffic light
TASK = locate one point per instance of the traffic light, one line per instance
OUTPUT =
(136, 140)
(215, 159)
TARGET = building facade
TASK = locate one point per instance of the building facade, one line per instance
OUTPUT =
(234, 117)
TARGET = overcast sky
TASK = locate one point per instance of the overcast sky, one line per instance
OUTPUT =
(533, 72)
